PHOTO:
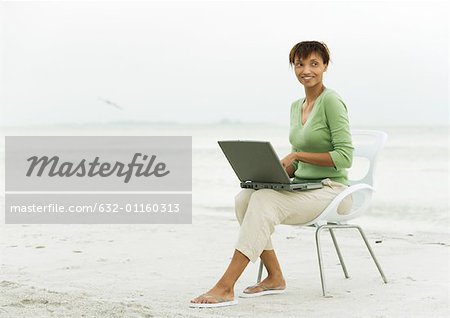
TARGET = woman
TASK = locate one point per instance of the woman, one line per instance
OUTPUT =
(321, 149)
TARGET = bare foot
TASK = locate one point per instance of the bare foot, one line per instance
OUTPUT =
(268, 283)
(215, 295)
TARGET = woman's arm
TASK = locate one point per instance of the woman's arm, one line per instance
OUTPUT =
(319, 159)
(341, 139)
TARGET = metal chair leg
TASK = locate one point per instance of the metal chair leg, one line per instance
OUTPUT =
(341, 259)
(260, 271)
(319, 255)
(372, 254)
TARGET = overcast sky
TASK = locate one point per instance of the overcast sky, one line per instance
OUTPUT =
(207, 61)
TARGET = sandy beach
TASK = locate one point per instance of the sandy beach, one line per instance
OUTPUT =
(154, 270)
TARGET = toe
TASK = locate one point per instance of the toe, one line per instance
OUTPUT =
(204, 299)
(197, 299)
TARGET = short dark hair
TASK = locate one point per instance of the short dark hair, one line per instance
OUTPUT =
(304, 49)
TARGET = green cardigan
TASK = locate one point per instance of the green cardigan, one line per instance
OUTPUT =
(326, 130)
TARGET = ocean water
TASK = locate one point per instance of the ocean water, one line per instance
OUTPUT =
(411, 178)
(412, 175)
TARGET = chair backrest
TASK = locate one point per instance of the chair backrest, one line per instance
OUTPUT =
(368, 145)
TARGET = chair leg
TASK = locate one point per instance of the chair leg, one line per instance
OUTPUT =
(260, 271)
(341, 259)
(372, 254)
(319, 255)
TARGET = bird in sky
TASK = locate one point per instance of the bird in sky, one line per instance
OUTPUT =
(110, 103)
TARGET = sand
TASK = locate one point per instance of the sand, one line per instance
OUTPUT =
(154, 270)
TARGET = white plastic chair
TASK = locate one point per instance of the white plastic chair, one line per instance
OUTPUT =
(361, 190)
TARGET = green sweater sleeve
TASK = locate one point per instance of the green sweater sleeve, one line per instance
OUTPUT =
(337, 119)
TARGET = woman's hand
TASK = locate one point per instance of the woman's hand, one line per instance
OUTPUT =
(289, 159)
(318, 159)
(287, 162)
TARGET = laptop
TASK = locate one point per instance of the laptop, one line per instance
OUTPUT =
(258, 167)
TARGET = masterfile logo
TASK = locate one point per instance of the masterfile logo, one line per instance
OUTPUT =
(60, 163)
(96, 168)
(143, 179)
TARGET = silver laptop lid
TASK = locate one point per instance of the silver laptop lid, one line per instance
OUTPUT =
(254, 161)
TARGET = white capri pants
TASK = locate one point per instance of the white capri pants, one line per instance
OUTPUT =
(258, 211)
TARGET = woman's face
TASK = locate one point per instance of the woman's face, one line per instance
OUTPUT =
(310, 71)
